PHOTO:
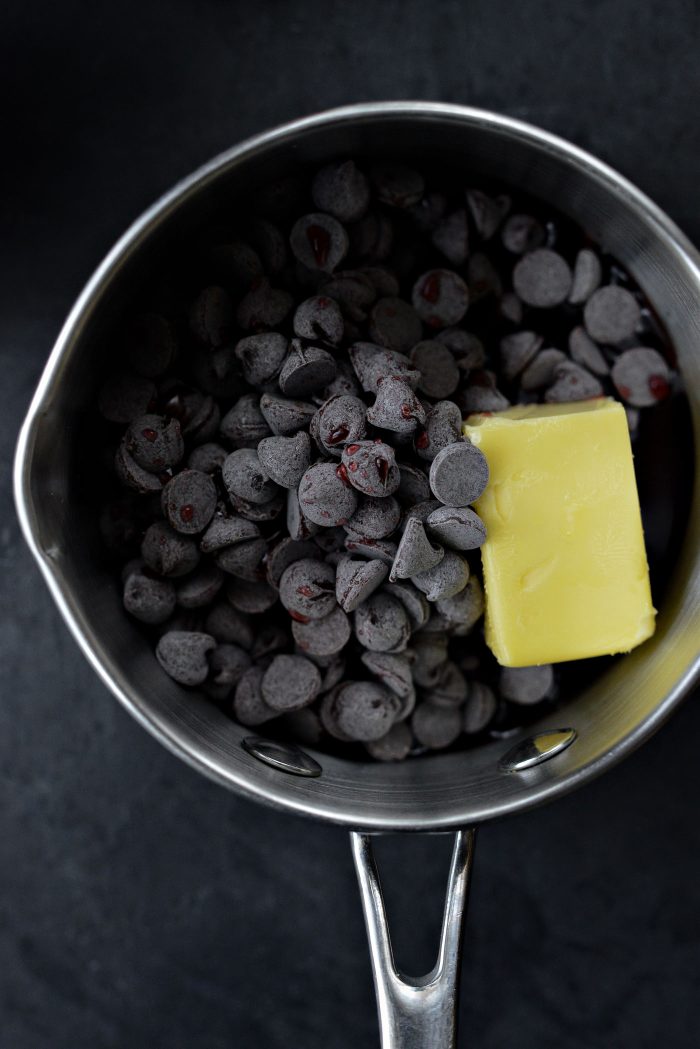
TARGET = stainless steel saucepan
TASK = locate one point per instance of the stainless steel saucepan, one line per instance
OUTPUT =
(437, 793)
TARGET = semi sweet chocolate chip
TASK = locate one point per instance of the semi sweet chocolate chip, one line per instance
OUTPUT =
(307, 589)
(611, 315)
(290, 682)
(641, 377)
(459, 474)
(285, 460)
(440, 298)
(457, 526)
(183, 656)
(319, 241)
(325, 495)
(356, 580)
(542, 278)
(189, 501)
(381, 624)
(244, 476)
(370, 467)
(526, 685)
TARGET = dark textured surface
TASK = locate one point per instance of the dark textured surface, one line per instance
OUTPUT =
(141, 906)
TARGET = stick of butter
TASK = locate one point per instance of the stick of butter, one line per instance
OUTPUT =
(565, 568)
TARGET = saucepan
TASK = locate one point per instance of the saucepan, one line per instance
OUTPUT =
(608, 718)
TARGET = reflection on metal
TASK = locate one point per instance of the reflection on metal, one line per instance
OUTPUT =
(283, 756)
(536, 749)
(416, 1012)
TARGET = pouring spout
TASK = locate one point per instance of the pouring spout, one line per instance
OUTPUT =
(417, 1012)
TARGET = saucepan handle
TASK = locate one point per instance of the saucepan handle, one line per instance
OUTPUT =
(416, 1012)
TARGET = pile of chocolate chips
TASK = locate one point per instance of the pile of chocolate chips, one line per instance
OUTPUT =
(296, 530)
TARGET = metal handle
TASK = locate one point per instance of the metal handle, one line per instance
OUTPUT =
(416, 1012)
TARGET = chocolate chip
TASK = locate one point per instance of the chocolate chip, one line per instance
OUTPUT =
(464, 609)
(251, 597)
(290, 682)
(394, 746)
(249, 705)
(319, 318)
(325, 495)
(459, 474)
(381, 549)
(134, 476)
(397, 185)
(245, 425)
(480, 708)
(370, 467)
(451, 237)
(244, 476)
(487, 212)
(211, 316)
(394, 324)
(522, 233)
(517, 351)
(481, 394)
(230, 626)
(356, 580)
(364, 711)
(341, 190)
(526, 685)
(167, 552)
(381, 624)
(413, 485)
(440, 298)
(285, 459)
(436, 726)
(146, 599)
(285, 416)
(542, 278)
(208, 458)
(438, 369)
(586, 278)
(641, 377)
(375, 518)
(227, 664)
(264, 307)
(306, 369)
(443, 426)
(396, 407)
(572, 383)
(307, 589)
(451, 687)
(446, 578)
(319, 241)
(457, 526)
(341, 421)
(183, 656)
(541, 371)
(261, 356)
(394, 673)
(414, 602)
(200, 587)
(298, 526)
(323, 638)
(611, 315)
(586, 353)
(189, 501)
(415, 552)
(373, 363)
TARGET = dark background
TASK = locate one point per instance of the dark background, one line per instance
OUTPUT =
(141, 906)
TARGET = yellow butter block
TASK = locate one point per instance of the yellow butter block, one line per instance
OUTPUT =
(565, 568)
